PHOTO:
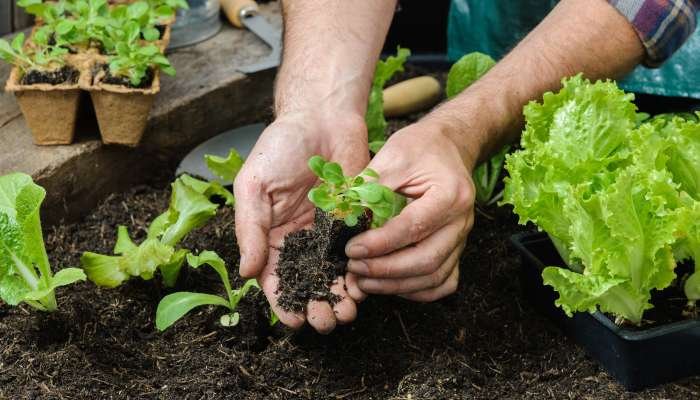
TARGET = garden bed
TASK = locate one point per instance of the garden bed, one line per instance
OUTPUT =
(483, 342)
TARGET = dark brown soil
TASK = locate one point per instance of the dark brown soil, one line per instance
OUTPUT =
(312, 259)
(124, 81)
(66, 74)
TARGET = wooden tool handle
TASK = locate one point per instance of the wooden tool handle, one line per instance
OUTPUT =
(235, 10)
(411, 95)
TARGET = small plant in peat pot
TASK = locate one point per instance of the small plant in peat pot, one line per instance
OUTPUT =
(124, 86)
(619, 200)
(312, 259)
(46, 84)
(25, 273)
(114, 51)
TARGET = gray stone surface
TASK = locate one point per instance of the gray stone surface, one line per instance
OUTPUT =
(206, 97)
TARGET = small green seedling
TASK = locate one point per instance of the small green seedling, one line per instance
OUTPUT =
(133, 60)
(191, 207)
(177, 305)
(40, 57)
(348, 198)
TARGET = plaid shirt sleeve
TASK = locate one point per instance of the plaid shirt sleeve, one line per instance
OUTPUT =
(662, 25)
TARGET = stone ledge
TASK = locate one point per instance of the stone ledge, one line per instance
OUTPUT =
(206, 97)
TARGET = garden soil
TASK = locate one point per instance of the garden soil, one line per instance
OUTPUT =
(483, 342)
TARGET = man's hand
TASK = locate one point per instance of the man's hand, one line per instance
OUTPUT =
(416, 254)
(271, 201)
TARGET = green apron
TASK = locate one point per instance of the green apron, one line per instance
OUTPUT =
(495, 26)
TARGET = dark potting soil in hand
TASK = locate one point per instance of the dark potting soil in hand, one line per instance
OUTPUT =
(124, 81)
(65, 75)
(312, 259)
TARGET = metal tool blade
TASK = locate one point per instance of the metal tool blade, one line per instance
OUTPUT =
(272, 36)
(242, 139)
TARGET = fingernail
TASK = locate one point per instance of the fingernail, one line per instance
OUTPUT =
(241, 262)
(358, 267)
(356, 251)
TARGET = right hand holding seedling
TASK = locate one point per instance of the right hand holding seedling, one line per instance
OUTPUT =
(271, 201)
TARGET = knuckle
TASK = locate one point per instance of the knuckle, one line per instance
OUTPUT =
(431, 263)
(417, 229)
(436, 280)
(463, 195)
(377, 269)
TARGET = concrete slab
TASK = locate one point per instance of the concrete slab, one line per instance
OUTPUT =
(206, 97)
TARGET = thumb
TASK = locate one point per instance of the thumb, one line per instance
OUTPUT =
(253, 216)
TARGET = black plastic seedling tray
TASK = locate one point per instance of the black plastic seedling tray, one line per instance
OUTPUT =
(637, 358)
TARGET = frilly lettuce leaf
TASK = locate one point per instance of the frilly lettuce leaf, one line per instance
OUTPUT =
(225, 168)
(616, 195)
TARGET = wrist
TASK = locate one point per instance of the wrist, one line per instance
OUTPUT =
(478, 121)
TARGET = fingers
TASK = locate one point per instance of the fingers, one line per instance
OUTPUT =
(419, 219)
(429, 295)
(268, 281)
(422, 259)
(353, 290)
(416, 283)
(253, 217)
(320, 316)
(345, 310)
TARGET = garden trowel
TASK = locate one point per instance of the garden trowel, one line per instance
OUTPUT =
(244, 14)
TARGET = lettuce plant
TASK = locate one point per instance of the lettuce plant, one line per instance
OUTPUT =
(133, 60)
(41, 57)
(190, 208)
(374, 118)
(463, 73)
(25, 273)
(176, 305)
(348, 198)
(618, 198)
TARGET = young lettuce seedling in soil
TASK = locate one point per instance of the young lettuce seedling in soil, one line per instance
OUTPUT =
(191, 207)
(25, 273)
(463, 73)
(176, 305)
(133, 63)
(374, 117)
(40, 63)
(311, 260)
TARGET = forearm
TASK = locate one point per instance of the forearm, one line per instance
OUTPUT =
(331, 48)
(587, 36)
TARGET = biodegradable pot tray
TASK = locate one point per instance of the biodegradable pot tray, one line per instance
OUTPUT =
(122, 113)
(637, 358)
(50, 110)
